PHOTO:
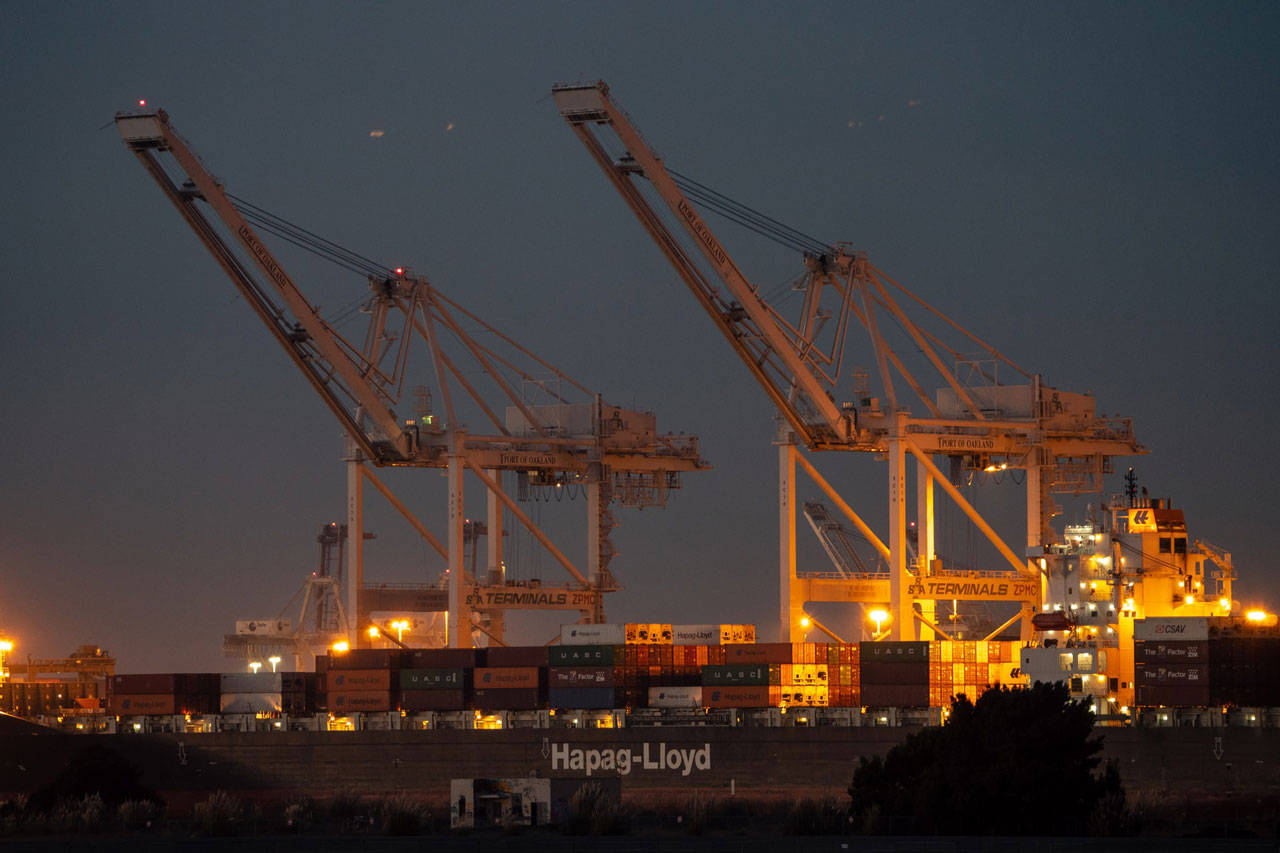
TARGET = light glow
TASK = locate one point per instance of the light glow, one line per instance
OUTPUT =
(341, 646)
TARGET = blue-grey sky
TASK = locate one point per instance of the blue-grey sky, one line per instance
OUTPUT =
(1092, 187)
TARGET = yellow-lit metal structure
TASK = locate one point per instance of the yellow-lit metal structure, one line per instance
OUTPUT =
(975, 420)
(547, 433)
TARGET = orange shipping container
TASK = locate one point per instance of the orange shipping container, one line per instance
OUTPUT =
(359, 700)
(487, 678)
(348, 680)
(125, 704)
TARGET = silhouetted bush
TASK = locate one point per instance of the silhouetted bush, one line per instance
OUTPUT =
(1016, 762)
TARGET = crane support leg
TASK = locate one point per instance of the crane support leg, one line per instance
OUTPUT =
(595, 555)
(924, 545)
(903, 626)
(494, 538)
(790, 594)
(355, 543)
(459, 610)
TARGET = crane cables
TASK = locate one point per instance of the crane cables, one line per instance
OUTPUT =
(319, 246)
(309, 241)
(749, 218)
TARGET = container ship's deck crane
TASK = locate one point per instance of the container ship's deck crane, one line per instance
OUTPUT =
(610, 452)
(976, 421)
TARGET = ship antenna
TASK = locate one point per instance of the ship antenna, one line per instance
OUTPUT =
(1130, 486)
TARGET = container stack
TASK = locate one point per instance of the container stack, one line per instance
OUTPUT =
(297, 693)
(437, 679)
(1171, 661)
(1244, 671)
(894, 674)
(360, 680)
(251, 693)
(969, 667)
(514, 679)
(582, 677)
(740, 685)
(49, 698)
(165, 693)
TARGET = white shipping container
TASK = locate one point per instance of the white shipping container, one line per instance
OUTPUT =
(251, 682)
(695, 635)
(675, 697)
(1192, 628)
(251, 703)
(593, 635)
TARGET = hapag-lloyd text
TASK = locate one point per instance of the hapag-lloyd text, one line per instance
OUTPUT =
(623, 759)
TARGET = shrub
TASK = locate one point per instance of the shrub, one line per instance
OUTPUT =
(815, 816)
(77, 814)
(219, 815)
(402, 815)
(699, 813)
(138, 814)
(297, 816)
(593, 811)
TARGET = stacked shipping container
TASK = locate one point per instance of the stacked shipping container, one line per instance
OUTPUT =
(1171, 662)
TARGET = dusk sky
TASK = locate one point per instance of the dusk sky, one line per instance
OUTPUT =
(1094, 188)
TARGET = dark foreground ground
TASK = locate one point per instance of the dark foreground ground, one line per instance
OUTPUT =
(662, 844)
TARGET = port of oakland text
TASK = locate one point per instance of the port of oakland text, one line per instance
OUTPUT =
(948, 443)
(528, 460)
(624, 759)
(703, 232)
(264, 256)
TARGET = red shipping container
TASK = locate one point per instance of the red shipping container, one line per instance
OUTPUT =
(506, 677)
(125, 705)
(757, 653)
(359, 700)
(144, 683)
(756, 696)
(895, 695)
(894, 673)
(508, 656)
(507, 699)
(432, 700)
(365, 659)
(440, 658)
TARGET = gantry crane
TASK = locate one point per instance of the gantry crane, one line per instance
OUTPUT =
(978, 421)
(544, 435)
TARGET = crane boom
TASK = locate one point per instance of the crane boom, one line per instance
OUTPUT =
(340, 378)
(780, 363)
